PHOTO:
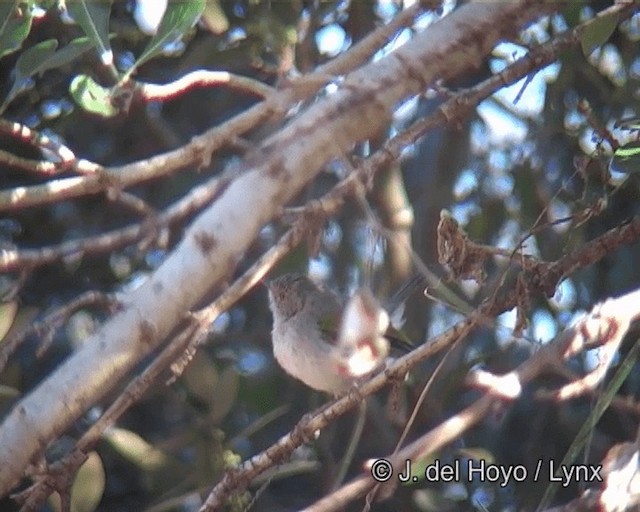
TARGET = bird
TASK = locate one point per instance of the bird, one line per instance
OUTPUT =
(327, 345)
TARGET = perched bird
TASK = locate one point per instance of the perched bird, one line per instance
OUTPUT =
(322, 343)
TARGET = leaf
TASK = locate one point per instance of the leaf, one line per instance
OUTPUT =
(626, 159)
(201, 379)
(91, 96)
(87, 489)
(215, 18)
(14, 27)
(93, 17)
(225, 393)
(31, 62)
(8, 392)
(572, 13)
(179, 17)
(67, 54)
(136, 450)
(25, 317)
(88, 486)
(596, 32)
(34, 60)
(8, 312)
(40, 58)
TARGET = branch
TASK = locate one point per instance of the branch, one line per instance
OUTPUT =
(51, 322)
(198, 198)
(201, 78)
(39, 141)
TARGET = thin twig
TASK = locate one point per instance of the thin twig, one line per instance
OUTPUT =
(200, 196)
(201, 78)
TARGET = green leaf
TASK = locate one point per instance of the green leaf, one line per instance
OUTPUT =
(626, 159)
(136, 449)
(93, 17)
(67, 54)
(15, 24)
(40, 58)
(91, 96)
(8, 312)
(29, 63)
(8, 392)
(597, 31)
(572, 13)
(179, 17)
(215, 18)
(226, 392)
(89, 484)
(201, 379)
(34, 60)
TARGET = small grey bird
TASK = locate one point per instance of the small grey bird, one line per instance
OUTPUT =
(315, 343)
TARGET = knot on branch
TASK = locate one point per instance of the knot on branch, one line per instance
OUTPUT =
(463, 258)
